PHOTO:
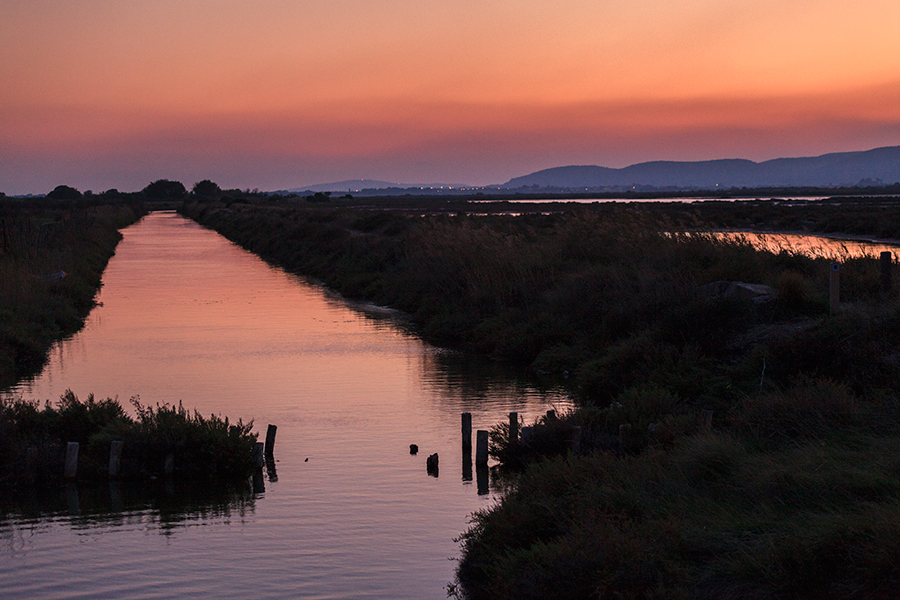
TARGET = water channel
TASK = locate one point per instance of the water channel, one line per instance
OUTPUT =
(188, 316)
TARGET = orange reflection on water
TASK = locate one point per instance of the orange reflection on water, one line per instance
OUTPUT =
(837, 249)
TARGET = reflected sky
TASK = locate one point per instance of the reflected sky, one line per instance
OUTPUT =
(188, 316)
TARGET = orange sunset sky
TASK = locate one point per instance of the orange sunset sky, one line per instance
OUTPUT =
(277, 94)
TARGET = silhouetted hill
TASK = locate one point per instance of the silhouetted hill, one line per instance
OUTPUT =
(871, 167)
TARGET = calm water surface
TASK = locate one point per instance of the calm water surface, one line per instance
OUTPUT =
(188, 316)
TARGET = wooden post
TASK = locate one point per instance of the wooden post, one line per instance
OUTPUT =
(526, 435)
(481, 447)
(71, 468)
(467, 431)
(513, 429)
(551, 414)
(834, 288)
(258, 458)
(886, 259)
(706, 418)
(169, 465)
(72, 501)
(270, 440)
(431, 465)
(115, 496)
(115, 458)
(575, 440)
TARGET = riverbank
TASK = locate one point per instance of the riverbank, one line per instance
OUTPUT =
(51, 264)
(729, 446)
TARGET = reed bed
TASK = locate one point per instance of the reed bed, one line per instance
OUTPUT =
(728, 447)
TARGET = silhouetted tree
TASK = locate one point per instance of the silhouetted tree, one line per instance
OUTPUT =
(163, 189)
(207, 189)
(64, 192)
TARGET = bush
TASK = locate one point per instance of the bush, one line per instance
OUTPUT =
(202, 447)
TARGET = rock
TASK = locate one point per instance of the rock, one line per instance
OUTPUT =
(755, 292)
(413, 449)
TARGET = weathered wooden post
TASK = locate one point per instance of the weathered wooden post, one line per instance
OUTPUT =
(575, 439)
(270, 440)
(467, 431)
(258, 456)
(886, 259)
(834, 288)
(71, 467)
(513, 429)
(526, 435)
(481, 447)
(115, 457)
(431, 465)
(115, 496)
(72, 501)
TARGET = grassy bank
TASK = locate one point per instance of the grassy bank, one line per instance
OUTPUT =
(33, 441)
(50, 269)
(788, 492)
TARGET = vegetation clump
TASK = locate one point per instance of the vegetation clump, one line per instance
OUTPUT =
(33, 440)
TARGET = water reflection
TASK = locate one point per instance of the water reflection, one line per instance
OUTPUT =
(161, 505)
(815, 246)
(348, 509)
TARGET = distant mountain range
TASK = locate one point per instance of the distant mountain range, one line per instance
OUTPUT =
(871, 167)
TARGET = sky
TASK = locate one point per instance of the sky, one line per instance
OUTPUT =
(277, 94)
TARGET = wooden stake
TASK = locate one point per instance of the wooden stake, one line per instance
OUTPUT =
(258, 458)
(526, 435)
(575, 440)
(115, 456)
(467, 431)
(270, 440)
(513, 429)
(886, 259)
(481, 447)
(71, 468)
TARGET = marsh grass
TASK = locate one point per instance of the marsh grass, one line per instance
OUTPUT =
(790, 493)
(36, 308)
(203, 447)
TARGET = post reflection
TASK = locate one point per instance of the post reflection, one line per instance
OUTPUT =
(467, 464)
(483, 479)
(166, 506)
(259, 483)
(271, 472)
